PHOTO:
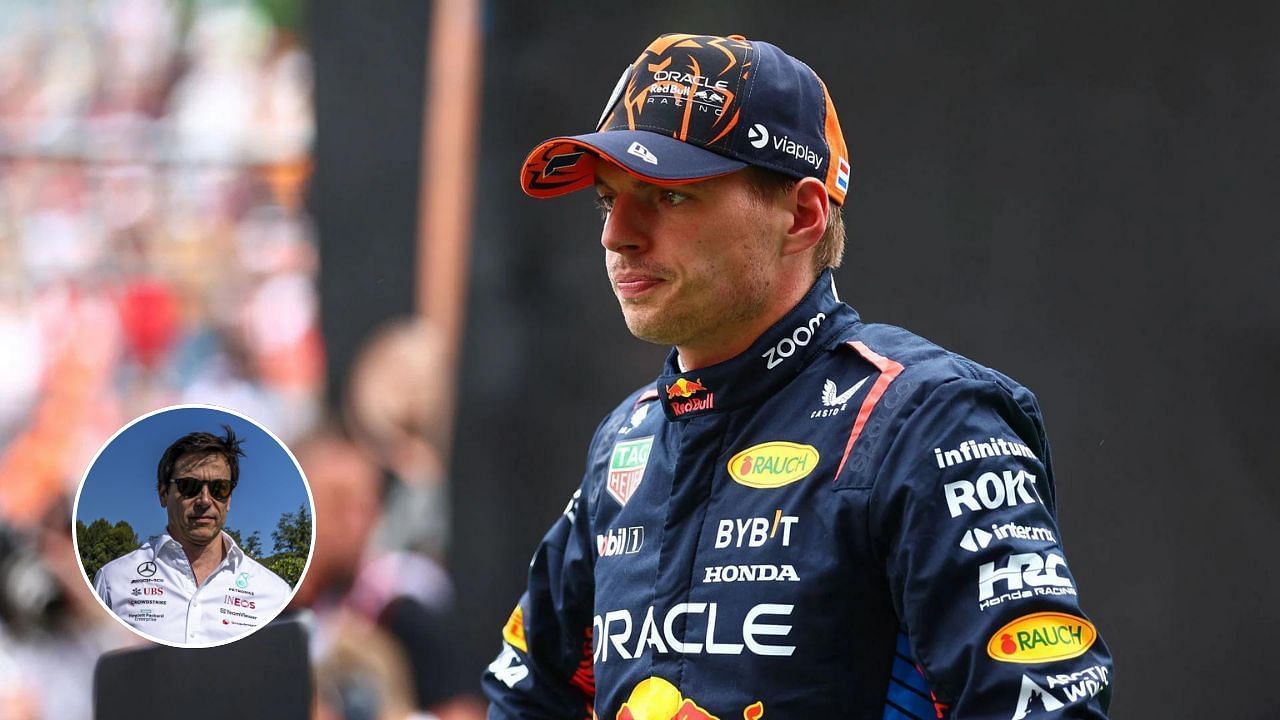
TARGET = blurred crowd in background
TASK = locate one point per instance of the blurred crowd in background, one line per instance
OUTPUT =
(155, 250)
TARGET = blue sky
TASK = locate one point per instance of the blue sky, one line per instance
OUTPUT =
(121, 484)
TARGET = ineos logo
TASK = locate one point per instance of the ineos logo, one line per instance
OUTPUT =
(786, 347)
(147, 569)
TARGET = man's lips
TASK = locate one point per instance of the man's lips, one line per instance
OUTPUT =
(631, 285)
(202, 519)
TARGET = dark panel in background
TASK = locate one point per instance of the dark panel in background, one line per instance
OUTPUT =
(1078, 195)
(369, 75)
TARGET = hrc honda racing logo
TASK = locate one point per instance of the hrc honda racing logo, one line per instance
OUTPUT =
(614, 634)
(1024, 575)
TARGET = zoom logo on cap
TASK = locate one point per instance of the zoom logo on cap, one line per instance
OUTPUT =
(758, 136)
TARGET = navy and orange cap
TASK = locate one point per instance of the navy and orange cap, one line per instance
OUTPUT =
(693, 107)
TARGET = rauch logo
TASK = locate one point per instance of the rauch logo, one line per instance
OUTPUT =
(773, 464)
(1042, 637)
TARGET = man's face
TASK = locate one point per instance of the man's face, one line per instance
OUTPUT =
(196, 520)
(691, 265)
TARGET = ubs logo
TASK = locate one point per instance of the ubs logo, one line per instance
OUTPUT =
(147, 569)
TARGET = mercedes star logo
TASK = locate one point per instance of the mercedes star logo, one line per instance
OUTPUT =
(147, 569)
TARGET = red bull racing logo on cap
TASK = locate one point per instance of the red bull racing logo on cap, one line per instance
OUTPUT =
(687, 86)
(680, 396)
(655, 698)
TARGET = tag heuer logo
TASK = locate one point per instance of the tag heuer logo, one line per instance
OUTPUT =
(626, 467)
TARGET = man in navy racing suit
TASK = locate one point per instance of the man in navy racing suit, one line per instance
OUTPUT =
(805, 516)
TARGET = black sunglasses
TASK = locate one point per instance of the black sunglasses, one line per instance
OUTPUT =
(190, 487)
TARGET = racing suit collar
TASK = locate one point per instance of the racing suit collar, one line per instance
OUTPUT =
(771, 362)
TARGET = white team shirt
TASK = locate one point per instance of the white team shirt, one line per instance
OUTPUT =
(153, 589)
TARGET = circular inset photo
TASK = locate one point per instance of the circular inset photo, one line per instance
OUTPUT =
(194, 526)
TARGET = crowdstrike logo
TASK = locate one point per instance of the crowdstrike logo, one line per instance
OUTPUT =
(758, 135)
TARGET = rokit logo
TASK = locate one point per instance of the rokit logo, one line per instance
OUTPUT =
(754, 532)
(612, 632)
(991, 491)
(1061, 689)
(620, 541)
(1024, 575)
(786, 347)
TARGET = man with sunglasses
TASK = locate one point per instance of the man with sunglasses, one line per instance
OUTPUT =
(192, 585)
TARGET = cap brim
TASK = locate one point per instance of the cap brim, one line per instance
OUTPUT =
(565, 164)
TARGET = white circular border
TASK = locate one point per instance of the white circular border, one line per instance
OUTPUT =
(306, 484)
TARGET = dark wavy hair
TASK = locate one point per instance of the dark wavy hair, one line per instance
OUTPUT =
(201, 444)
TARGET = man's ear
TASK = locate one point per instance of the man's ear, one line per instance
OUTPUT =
(809, 207)
(164, 497)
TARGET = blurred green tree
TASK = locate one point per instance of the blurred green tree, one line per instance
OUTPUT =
(100, 542)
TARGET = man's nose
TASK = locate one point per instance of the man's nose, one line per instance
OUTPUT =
(205, 496)
(626, 229)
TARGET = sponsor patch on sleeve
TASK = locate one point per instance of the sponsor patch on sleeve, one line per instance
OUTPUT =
(1042, 637)
(513, 631)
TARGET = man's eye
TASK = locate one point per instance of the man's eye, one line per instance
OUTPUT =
(604, 204)
(671, 197)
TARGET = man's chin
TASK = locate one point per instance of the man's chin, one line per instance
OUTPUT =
(204, 536)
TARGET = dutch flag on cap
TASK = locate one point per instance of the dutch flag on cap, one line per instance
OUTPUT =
(842, 175)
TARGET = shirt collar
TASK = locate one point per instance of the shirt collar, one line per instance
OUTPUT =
(777, 356)
(164, 543)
